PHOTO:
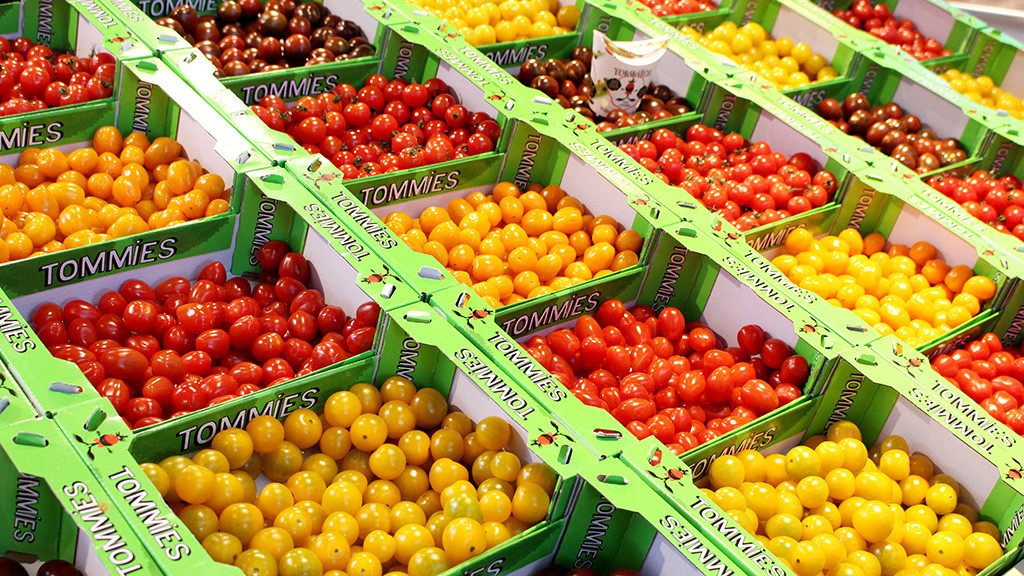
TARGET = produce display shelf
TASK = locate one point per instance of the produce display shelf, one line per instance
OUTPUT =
(80, 432)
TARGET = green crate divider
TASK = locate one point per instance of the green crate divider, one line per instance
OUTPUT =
(692, 273)
(676, 532)
(15, 405)
(57, 489)
(57, 385)
(535, 157)
(32, 523)
(175, 112)
(687, 520)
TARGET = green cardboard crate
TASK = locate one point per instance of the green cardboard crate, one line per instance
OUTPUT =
(58, 385)
(61, 510)
(159, 105)
(505, 54)
(77, 27)
(952, 27)
(534, 158)
(931, 99)
(140, 16)
(417, 343)
(784, 18)
(881, 206)
(895, 396)
(414, 55)
(693, 273)
(883, 399)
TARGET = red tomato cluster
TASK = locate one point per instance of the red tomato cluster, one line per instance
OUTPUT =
(878, 21)
(999, 202)
(34, 77)
(745, 183)
(991, 375)
(676, 7)
(662, 376)
(159, 352)
(384, 126)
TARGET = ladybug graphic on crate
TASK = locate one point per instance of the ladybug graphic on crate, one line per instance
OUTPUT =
(1015, 473)
(907, 364)
(670, 474)
(101, 441)
(472, 315)
(719, 231)
(551, 438)
(8, 387)
(378, 277)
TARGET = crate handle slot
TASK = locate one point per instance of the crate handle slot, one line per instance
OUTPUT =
(95, 419)
(604, 434)
(430, 273)
(613, 479)
(4, 403)
(867, 359)
(65, 388)
(418, 317)
(31, 439)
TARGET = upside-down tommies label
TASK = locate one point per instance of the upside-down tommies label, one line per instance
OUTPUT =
(622, 72)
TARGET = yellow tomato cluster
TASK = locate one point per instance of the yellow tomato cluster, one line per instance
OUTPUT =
(906, 291)
(781, 62)
(511, 245)
(53, 201)
(833, 507)
(486, 22)
(984, 91)
(383, 481)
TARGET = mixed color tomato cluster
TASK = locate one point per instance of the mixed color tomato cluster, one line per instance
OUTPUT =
(164, 351)
(909, 291)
